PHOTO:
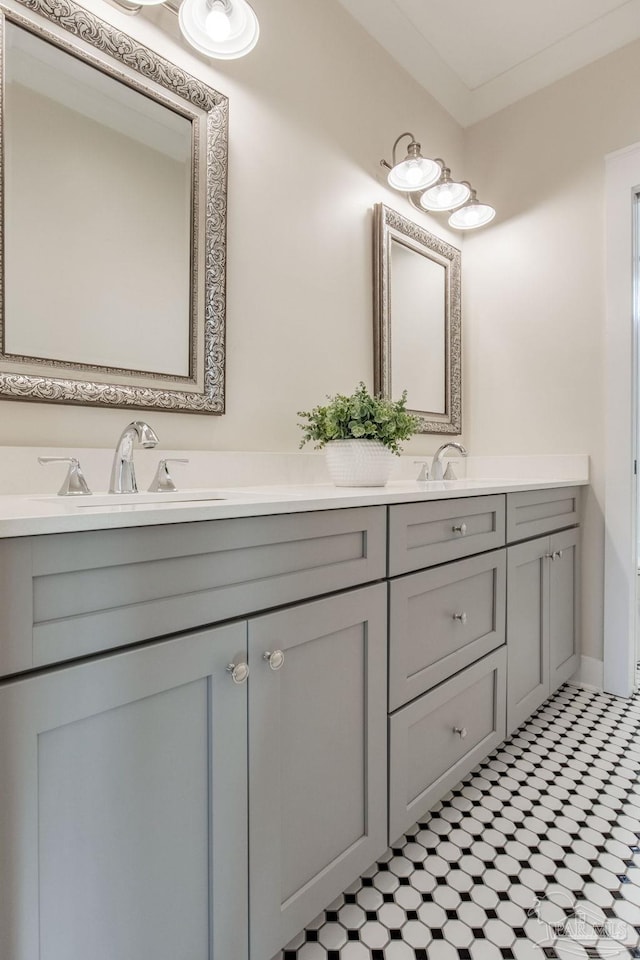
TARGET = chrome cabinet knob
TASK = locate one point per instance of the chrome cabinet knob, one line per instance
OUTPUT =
(460, 617)
(275, 659)
(239, 672)
(556, 555)
(461, 731)
(460, 528)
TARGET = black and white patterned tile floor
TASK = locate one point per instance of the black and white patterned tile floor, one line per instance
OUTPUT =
(535, 855)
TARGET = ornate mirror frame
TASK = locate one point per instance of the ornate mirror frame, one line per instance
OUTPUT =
(97, 43)
(389, 227)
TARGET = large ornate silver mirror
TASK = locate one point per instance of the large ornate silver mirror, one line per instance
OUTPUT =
(113, 218)
(417, 320)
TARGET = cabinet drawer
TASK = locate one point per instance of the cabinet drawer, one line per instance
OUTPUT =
(424, 534)
(426, 754)
(443, 619)
(531, 513)
(98, 590)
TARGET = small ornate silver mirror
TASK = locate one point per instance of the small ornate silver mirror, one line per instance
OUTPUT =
(417, 320)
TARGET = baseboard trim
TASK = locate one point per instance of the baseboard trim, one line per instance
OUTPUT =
(590, 674)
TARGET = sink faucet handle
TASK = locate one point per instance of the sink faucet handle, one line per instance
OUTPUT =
(163, 481)
(74, 484)
(424, 470)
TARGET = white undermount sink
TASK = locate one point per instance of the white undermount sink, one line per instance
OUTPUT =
(139, 499)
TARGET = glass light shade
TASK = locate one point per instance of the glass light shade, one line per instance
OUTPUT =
(206, 32)
(414, 173)
(445, 196)
(472, 215)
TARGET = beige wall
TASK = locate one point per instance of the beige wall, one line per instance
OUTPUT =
(312, 110)
(534, 282)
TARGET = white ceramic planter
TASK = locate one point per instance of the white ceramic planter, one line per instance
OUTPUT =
(358, 463)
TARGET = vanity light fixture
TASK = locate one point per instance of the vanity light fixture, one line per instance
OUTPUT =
(415, 172)
(223, 29)
(446, 194)
(473, 214)
(429, 186)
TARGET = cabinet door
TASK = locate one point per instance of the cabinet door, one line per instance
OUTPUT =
(122, 806)
(317, 758)
(564, 591)
(527, 629)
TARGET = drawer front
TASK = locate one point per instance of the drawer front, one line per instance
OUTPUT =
(94, 591)
(424, 534)
(442, 620)
(532, 513)
(427, 755)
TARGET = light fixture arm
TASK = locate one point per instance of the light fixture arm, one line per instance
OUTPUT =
(413, 148)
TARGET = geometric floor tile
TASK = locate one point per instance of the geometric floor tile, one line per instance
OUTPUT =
(534, 855)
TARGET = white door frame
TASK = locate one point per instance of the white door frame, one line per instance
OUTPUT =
(622, 180)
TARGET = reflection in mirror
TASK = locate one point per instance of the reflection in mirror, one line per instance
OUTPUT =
(117, 209)
(417, 320)
(113, 234)
(418, 331)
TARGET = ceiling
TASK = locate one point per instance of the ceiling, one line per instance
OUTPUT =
(478, 56)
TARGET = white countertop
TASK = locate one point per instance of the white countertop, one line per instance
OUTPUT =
(22, 516)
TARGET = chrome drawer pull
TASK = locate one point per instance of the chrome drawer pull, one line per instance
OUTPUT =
(239, 672)
(275, 659)
(460, 528)
(461, 617)
(461, 731)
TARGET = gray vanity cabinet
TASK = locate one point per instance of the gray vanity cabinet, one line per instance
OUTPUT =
(542, 620)
(123, 815)
(137, 787)
(317, 757)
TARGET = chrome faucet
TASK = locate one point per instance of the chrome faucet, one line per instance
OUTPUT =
(437, 472)
(123, 475)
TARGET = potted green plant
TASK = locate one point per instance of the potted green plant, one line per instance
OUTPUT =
(360, 435)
